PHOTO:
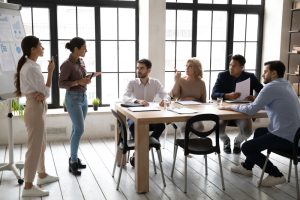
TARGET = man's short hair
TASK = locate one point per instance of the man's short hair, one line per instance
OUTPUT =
(277, 66)
(145, 62)
(241, 59)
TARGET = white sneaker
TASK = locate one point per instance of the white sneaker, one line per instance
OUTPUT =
(271, 181)
(46, 180)
(241, 170)
(34, 192)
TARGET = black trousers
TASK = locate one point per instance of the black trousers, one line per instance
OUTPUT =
(157, 129)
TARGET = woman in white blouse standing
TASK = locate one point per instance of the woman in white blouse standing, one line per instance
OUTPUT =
(29, 81)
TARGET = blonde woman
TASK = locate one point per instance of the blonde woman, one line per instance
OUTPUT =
(189, 87)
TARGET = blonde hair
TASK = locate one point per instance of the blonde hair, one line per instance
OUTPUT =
(197, 66)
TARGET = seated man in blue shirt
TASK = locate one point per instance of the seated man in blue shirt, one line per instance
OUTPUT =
(283, 109)
(143, 90)
(225, 88)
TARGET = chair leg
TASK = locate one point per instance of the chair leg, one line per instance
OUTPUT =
(290, 169)
(205, 158)
(161, 168)
(120, 172)
(174, 159)
(221, 172)
(128, 154)
(166, 133)
(263, 170)
(114, 169)
(174, 142)
(185, 174)
(297, 183)
(153, 161)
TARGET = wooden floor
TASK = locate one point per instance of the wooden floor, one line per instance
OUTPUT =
(96, 181)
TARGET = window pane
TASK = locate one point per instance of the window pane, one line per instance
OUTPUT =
(63, 53)
(170, 56)
(219, 25)
(169, 81)
(204, 26)
(126, 24)
(239, 2)
(49, 99)
(184, 25)
(109, 55)
(91, 91)
(252, 27)
(43, 61)
(218, 55)
(86, 22)
(89, 59)
(239, 27)
(26, 18)
(66, 22)
(254, 2)
(184, 52)
(109, 83)
(124, 80)
(238, 48)
(220, 1)
(62, 96)
(170, 24)
(108, 27)
(204, 1)
(184, 1)
(127, 56)
(251, 49)
(203, 54)
(41, 23)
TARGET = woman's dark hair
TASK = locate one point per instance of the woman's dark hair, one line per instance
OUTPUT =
(75, 42)
(277, 66)
(27, 44)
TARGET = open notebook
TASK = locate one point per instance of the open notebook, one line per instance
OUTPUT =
(188, 102)
(183, 110)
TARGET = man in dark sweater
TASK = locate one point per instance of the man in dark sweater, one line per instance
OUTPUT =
(225, 88)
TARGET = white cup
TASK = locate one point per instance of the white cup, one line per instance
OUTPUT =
(166, 104)
(219, 101)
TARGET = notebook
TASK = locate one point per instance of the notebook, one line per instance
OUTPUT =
(143, 109)
(188, 102)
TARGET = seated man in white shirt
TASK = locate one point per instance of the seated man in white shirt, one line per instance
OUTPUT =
(143, 90)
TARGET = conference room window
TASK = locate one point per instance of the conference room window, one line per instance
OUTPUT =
(75, 21)
(211, 31)
(37, 22)
(118, 51)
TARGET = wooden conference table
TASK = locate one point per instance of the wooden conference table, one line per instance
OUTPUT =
(142, 121)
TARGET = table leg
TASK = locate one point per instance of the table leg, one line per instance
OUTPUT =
(142, 157)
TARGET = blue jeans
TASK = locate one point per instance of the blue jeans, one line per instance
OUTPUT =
(264, 140)
(76, 103)
(156, 128)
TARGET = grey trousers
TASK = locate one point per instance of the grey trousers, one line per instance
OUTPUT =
(245, 126)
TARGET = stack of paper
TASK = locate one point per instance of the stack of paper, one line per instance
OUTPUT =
(188, 102)
(183, 110)
(143, 109)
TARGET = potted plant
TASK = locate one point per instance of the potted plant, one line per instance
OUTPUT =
(16, 107)
(96, 103)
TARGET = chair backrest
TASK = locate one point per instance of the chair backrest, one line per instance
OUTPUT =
(121, 127)
(203, 134)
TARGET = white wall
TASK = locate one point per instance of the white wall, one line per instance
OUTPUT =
(276, 27)
(97, 125)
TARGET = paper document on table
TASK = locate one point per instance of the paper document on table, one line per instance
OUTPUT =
(189, 102)
(183, 110)
(243, 88)
(143, 109)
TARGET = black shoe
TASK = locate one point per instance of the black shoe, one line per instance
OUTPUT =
(227, 149)
(80, 165)
(73, 168)
(236, 150)
(131, 160)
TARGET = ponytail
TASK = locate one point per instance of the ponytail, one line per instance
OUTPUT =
(17, 75)
(27, 44)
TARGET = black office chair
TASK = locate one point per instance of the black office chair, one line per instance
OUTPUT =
(294, 156)
(201, 145)
(125, 145)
